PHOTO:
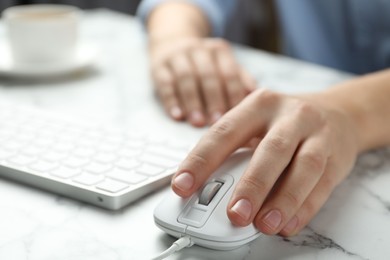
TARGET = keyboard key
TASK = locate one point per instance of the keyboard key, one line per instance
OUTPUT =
(21, 160)
(136, 135)
(83, 151)
(63, 147)
(126, 176)
(7, 132)
(149, 170)
(156, 139)
(129, 153)
(75, 162)
(12, 145)
(68, 138)
(135, 144)
(52, 156)
(46, 133)
(43, 142)
(88, 178)
(5, 154)
(94, 135)
(111, 185)
(127, 164)
(25, 137)
(32, 150)
(178, 144)
(158, 160)
(97, 168)
(106, 147)
(43, 166)
(73, 132)
(54, 127)
(105, 157)
(65, 172)
(164, 151)
(114, 139)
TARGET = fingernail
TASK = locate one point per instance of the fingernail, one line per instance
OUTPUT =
(273, 219)
(243, 208)
(196, 117)
(176, 112)
(291, 225)
(184, 181)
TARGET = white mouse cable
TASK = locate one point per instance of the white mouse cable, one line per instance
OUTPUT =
(176, 246)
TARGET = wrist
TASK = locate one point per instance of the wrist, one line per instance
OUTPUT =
(334, 102)
(364, 101)
(175, 20)
(157, 39)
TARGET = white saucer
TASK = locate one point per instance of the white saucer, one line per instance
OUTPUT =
(84, 58)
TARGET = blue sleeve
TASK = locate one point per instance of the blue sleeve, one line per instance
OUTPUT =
(216, 11)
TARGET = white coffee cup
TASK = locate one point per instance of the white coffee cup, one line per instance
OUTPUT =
(42, 33)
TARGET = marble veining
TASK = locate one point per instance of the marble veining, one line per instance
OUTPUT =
(312, 239)
(38, 225)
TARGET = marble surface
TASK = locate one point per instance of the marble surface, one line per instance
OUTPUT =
(34, 224)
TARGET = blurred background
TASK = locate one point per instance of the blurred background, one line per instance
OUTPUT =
(126, 6)
(254, 22)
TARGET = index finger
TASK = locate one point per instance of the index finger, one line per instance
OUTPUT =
(233, 130)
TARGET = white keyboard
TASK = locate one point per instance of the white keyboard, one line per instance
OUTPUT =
(104, 166)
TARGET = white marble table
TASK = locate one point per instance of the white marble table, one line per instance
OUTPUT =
(353, 224)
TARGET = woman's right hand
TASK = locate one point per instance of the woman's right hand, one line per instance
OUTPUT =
(198, 79)
(304, 146)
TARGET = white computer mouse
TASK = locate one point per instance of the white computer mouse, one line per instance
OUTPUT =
(203, 216)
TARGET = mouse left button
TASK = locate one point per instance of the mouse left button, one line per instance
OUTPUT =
(209, 192)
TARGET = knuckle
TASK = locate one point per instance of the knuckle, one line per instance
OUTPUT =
(215, 106)
(181, 67)
(165, 93)
(215, 84)
(185, 45)
(213, 100)
(266, 97)
(230, 71)
(293, 198)
(328, 183)
(315, 160)
(187, 87)
(163, 79)
(235, 90)
(252, 185)
(305, 108)
(308, 111)
(207, 74)
(277, 144)
(184, 73)
(168, 101)
(308, 209)
(191, 43)
(159, 57)
(223, 128)
(221, 44)
(198, 162)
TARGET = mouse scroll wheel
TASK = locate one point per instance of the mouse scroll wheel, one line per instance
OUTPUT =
(209, 192)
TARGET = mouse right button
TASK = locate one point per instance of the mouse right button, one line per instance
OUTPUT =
(209, 192)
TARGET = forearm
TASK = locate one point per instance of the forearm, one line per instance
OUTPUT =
(177, 19)
(367, 102)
